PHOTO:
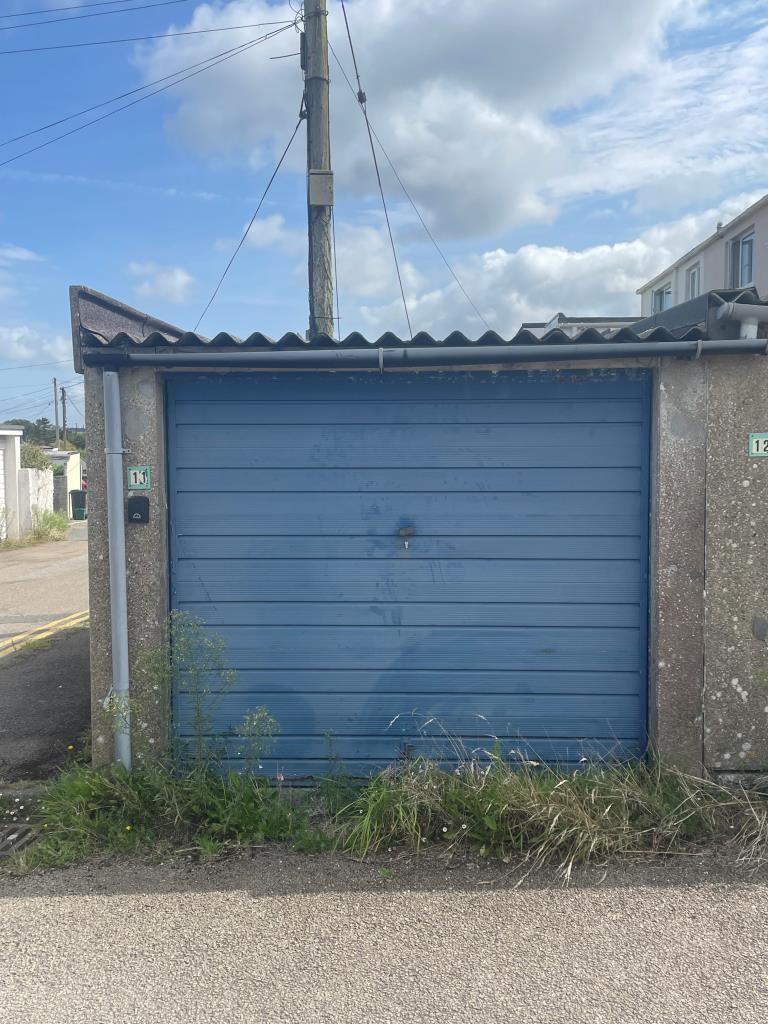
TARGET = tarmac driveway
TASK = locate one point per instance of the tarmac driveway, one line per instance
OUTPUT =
(291, 939)
(44, 656)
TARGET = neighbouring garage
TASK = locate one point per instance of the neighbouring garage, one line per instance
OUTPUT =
(423, 546)
(410, 563)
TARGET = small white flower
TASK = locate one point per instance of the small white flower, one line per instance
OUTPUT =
(444, 829)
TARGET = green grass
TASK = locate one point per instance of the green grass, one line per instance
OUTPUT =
(522, 812)
(155, 810)
(545, 816)
(47, 527)
(34, 645)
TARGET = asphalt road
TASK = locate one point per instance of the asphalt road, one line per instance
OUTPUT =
(44, 686)
(44, 582)
(44, 705)
(290, 939)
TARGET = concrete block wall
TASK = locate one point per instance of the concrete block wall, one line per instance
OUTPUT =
(61, 495)
(35, 495)
(736, 629)
(143, 414)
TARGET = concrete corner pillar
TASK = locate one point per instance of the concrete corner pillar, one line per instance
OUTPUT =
(143, 413)
(678, 565)
(736, 692)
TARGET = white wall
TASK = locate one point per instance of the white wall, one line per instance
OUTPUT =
(10, 443)
(35, 494)
(714, 263)
(72, 473)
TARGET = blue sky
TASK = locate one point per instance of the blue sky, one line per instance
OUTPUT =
(562, 155)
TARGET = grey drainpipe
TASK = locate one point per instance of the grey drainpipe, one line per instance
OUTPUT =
(118, 590)
(438, 355)
(748, 314)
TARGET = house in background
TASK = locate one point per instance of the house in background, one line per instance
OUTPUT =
(573, 326)
(735, 256)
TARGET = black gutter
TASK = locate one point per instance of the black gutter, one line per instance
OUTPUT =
(387, 358)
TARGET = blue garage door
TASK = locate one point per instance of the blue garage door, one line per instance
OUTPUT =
(417, 563)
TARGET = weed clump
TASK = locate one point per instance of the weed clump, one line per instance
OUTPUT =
(158, 810)
(524, 812)
(544, 816)
(47, 526)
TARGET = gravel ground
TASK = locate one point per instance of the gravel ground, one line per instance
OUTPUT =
(282, 937)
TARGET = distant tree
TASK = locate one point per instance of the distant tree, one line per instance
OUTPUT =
(76, 439)
(42, 431)
(26, 425)
(45, 430)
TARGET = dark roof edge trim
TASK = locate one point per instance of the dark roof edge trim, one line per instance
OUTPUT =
(390, 358)
(98, 316)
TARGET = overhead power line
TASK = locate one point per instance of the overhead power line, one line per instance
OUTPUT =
(96, 14)
(240, 244)
(30, 403)
(7, 402)
(361, 98)
(140, 39)
(33, 366)
(77, 410)
(122, 95)
(410, 198)
(71, 7)
(210, 64)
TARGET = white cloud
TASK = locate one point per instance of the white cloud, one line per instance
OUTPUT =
(10, 256)
(462, 93)
(171, 284)
(685, 132)
(269, 232)
(16, 254)
(534, 282)
(23, 344)
(365, 265)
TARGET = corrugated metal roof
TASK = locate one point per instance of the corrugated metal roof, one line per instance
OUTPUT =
(155, 339)
(99, 321)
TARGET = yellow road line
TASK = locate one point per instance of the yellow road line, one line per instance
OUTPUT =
(12, 643)
(46, 625)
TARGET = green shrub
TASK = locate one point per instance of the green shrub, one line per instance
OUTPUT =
(48, 526)
(33, 457)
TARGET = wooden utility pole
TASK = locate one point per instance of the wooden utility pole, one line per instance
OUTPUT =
(56, 408)
(319, 174)
(63, 415)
